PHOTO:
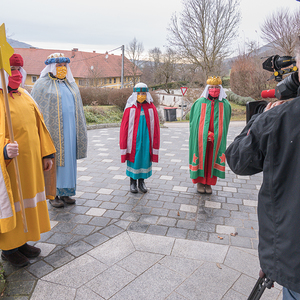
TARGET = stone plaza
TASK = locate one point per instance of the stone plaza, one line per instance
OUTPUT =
(170, 243)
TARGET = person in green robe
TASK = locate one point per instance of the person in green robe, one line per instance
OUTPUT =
(209, 121)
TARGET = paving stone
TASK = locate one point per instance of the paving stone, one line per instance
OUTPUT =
(108, 205)
(157, 229)
(59, 258)
(159, 211)
(229, 206)
(234, 222)
(239, 215)
(218, 238)
(206, 227)
(166, 221)
(163, 282)
(186, 224)
(221, 213)
(111, 230)
(138, 262)
(130, 216)
(83, 219)
(240, 241)
(40, 269)
(177, 232)
(86, 293)
(148, 219)
(197, 235)
(112, 214)
(18, 288)
(77, 272)
(247, 232)
(78, 248)
(188, 208)
(83, 229)
(60, 238)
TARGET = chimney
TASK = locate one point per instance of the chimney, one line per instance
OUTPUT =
(73, 52)
(94, 51)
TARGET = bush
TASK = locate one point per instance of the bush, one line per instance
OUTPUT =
(247, 77)
(100, 114)
(92, 96)
(231, 96)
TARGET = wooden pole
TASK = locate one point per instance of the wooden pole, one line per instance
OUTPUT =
(15, 160)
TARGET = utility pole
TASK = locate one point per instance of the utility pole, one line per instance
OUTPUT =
(122, 72)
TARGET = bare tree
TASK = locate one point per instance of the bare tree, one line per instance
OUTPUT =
(203, 32)
(168, 68)
(155, 56)
(281, 29)
(95, 75)
(134, 52)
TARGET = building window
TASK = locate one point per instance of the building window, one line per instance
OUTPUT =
(82, 82)
(115, 80)
(33, 79)
(105, 81)
(109, 80)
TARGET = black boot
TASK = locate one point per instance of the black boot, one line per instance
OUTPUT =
(142, 186)
(133, 187)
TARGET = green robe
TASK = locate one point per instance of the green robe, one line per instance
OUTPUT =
(199, 125)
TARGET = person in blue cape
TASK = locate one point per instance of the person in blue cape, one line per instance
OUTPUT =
(59, 99)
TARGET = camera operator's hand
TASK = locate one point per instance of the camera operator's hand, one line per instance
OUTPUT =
(271, 105)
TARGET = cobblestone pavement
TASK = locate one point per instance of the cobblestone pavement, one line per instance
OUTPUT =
(106, 211)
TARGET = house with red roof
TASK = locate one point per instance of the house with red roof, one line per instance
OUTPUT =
(88, 68)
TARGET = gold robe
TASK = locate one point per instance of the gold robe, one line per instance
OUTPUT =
(34, 143)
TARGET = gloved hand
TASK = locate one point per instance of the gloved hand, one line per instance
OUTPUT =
(12, 149)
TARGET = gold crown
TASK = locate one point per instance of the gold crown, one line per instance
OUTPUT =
(214, 80)
(55, 55)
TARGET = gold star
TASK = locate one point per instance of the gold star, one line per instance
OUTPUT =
(6, 51)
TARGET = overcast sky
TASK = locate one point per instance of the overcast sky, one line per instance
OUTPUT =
(104, 25)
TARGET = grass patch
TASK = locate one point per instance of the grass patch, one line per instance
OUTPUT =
(238, 112)
(102, 114)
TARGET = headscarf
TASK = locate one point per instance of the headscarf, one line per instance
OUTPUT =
(51, 62)
(139, 87)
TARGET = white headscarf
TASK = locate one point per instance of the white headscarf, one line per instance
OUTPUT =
(222, 94)
(132, 100)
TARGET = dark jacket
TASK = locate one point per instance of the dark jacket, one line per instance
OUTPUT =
(271, 143)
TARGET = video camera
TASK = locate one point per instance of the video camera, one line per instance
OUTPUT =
(286, 88)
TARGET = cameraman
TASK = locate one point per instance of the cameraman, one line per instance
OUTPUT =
(270, 143)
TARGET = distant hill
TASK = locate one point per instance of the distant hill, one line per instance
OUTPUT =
(17, 44)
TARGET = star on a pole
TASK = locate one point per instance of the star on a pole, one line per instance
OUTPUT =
(6, 51)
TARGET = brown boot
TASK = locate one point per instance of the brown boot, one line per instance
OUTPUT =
(200, 188)
(67, 199)
(17, 259)
(57, 202)
(29, 251)
(208, 189)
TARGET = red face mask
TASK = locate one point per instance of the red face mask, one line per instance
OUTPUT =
(214, 92)
(15, 79)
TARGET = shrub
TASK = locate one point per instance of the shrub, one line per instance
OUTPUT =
(247, 77)
(94, 95)
(231, 96)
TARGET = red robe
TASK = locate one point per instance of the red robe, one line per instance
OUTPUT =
(129, 128)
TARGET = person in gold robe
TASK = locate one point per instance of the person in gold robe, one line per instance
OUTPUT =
(35, 152)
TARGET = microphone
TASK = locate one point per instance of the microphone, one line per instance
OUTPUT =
(268, 94)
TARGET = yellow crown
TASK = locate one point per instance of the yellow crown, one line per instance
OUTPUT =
(214, 80)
